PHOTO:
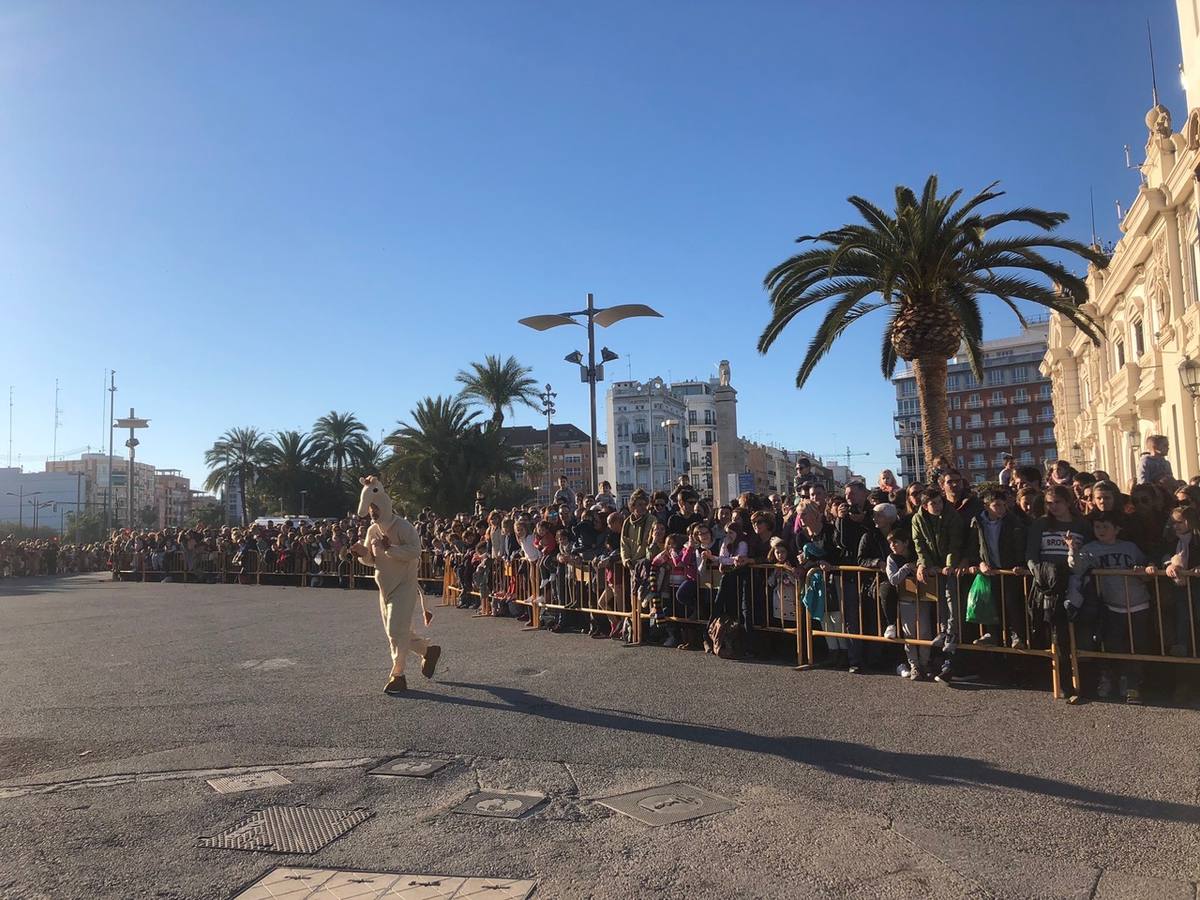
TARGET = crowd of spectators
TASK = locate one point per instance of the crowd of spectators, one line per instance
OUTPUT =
(1035, 538)
(47, 556)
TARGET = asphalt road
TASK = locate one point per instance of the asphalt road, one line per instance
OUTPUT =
(120, 700)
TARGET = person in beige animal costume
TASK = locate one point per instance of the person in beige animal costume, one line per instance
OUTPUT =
(394, 549)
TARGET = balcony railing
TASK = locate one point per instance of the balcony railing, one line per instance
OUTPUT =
(640, 437)
(1023, 441)
(998, 401)
(976, 444)
(1043, 417)
(975, 423)
(1000, 442)
(973, 404)
(998, 420)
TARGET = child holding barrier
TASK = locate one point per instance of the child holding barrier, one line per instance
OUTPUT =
(916, 618)
(1126, 600)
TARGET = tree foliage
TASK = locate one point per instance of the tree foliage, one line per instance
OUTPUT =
(498, 385)
(927, 263)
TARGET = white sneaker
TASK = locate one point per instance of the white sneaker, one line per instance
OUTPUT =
(890, 632)
(988, 640)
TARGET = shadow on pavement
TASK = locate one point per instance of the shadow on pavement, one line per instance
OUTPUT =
(836, 757)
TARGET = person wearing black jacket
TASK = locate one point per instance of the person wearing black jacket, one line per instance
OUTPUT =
(684, 516)
(873, 552)
(851, 522)
(996, 540)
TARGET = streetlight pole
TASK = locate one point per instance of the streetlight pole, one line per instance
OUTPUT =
(20, 495)
(591, 373)
(132, 423)
(112, 421)
(669, 426)
(303, 498)
(547, 397)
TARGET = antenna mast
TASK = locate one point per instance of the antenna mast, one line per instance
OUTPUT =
(57, 421)
(1153, 80)
(10, 414)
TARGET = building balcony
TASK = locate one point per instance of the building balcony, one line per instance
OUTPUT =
(641, 461)
(1122, 389)
(998, 401)
(998, 421)
(973, 404)
(1045, 418)
(975, 423)
(1022, 419)
(1000, 442)
(977, 444)
(640, 437)
(1023, 441)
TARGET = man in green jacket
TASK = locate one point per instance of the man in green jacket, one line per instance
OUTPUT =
(940, 537)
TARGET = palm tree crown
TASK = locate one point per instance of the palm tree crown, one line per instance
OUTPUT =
(928, 263)
(236, 458)
(498, 385)
(339, 436)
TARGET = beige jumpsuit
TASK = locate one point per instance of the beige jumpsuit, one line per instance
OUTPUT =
(396, 574)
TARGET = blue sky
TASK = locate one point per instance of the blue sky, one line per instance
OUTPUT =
(257, 213)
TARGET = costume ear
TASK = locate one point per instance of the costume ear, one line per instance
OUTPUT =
(365, 481)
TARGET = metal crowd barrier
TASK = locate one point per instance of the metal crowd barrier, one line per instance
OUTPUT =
(940, 600)
(1132, 637)
(602, 592)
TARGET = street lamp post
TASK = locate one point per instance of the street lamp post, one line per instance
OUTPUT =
(591, 373)
(669, 426)
(132, 423)
(303, 497)
(547, 397)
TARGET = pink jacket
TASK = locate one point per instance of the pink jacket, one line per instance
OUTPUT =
(683, 564)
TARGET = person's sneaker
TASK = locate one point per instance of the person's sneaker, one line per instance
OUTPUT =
(430, 660)
(987, 640)
(1133, 697)
(396, 685)
(915, 674)
(1104, 686)
(904, 670)
(890, 632)
(855, 670)
(939, 642)
(945, 676)
(671, 641)
(1016, 642)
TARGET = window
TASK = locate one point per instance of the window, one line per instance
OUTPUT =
(958, 442)
(1021, 396)
(956, 403)
(695, 458)
(1020, 374)
(1047, 434)
(1119, 350)
(1196, 270)
(995, 376)
(977, 461)
(1139, 340)
(708, 417)
(708, 438)
(1026, 457)
(692, 417)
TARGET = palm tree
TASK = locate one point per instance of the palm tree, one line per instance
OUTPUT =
(444, 456)
(928, 263)
(290, 459)
(369, 459)
(339, 435)
(236, 459)
(499, 386)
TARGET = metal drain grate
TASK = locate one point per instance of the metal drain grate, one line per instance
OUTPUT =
(287, 829)
(498, 805)
(250, 782)
(333, 884)
(410, 767)
(668, 804)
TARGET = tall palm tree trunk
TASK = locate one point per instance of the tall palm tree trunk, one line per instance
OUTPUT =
(930, 372)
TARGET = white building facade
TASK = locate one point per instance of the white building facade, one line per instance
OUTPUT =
(641, 451)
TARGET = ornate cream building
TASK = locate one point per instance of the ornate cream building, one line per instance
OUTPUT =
(1108, 398)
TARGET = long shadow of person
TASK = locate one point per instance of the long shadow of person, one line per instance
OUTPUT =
(848, 760)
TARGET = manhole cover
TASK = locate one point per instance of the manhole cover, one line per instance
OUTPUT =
(668, 804)
(287, 829)
(252, 781)
(499, 805)
(409, 767)
(331, 884)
